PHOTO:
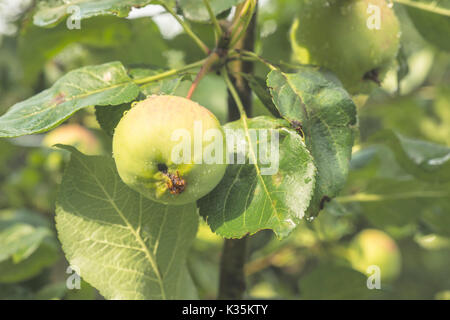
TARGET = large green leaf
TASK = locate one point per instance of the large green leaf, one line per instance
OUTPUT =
(380, 188)
(327, 115)
(336, 282)
(125, 245)
(51, 12)
(195, 9)
(259, 87)
(27, 245)
(432, 20)
(106, 84)
(145, 45)
(108, 117)
(247, 201)
(38, 45)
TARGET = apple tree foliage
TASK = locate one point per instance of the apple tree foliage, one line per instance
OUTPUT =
(129, 247)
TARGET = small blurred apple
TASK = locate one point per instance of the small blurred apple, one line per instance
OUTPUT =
(374, 247)
(74, 135)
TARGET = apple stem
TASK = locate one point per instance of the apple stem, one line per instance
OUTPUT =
(169, 73)
(206, 68)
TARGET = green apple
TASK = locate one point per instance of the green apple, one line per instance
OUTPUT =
(374, 247)
(358, 40)
(170, 149)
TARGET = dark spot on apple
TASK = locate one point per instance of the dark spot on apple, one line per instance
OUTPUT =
(162, 167)
(323, 200)
(373, 75)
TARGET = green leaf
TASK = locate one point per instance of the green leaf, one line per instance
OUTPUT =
(106, 84)
(432, 20)
(424, 160)
(124, 245)
(21, 234)
(20, 241)
(51, 12)
(259, 87)
(38, 45)
(327, 116)
(46, 255)
(387, 202)
(27, 245)
(136, 49)
(247, 200)
(195, 9)
(108, 117)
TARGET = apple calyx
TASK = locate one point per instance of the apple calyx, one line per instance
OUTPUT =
(175, 183)
(373, 75)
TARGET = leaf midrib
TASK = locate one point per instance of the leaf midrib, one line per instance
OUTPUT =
(147, 253)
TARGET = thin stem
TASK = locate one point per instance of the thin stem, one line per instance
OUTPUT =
(243, 114)
(241, 9)
(169, 73)
(240, 29)
(258, 58)
(209, 63)
(187, 29)
(430, 7)
(235, 95)
(213, 18)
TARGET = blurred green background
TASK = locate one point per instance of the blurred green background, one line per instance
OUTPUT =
(322, 259)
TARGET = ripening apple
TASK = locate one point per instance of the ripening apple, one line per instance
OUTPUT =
(170, 149)
(374, 247)
(358, 40)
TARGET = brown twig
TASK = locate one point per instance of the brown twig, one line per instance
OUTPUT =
(213, 58)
